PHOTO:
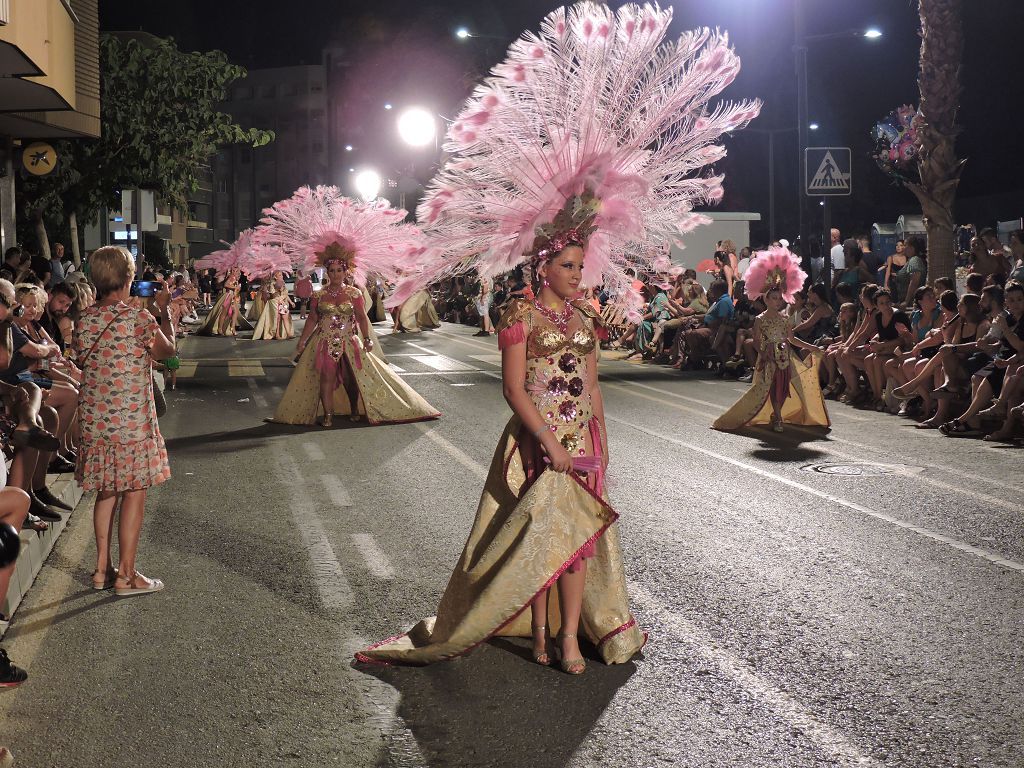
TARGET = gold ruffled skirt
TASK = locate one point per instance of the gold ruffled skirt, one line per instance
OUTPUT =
(521, 542)
(219, 323)
(384, 398)
(267, 327)
(804, 405)
(418, 313)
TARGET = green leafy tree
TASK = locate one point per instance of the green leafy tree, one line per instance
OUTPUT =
(160, 122)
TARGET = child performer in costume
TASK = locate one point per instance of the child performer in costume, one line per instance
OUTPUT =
(785, 388)
(337, 372)
(557, 163)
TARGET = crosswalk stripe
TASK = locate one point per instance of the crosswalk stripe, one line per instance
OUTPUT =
(187, 369)
(245, 368)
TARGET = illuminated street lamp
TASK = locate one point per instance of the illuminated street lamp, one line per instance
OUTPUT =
(462, 33)
(873, 34)
(814, 126)
(348, 147)
(387, 106)
(367, 184)
(416, 126)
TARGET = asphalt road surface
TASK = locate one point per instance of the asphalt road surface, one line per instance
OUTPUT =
(842, 599)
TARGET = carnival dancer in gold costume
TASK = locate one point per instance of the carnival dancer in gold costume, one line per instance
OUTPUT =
(785, 388)
(418, 313)
(338, 372)
(557, 162)
(275, 320)
(225, 317)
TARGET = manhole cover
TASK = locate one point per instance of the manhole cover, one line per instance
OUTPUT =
(860, 469)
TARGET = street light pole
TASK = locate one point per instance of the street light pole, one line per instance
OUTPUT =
(802, 118)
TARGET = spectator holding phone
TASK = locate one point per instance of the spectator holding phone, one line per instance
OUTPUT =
(122, 452)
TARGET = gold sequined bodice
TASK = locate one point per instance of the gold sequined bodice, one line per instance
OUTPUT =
(775, 339)
(337, 324)
(556, 375)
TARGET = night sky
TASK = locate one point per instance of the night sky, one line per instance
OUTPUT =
(403, 51)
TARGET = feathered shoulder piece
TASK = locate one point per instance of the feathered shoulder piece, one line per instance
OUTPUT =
(599, 129)
(777, 269)
(516, 311)
(588, 310)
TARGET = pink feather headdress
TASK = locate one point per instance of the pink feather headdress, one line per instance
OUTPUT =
(775, 269)
(263, 260)
(318, 225)
(598, 128)
(232, 256)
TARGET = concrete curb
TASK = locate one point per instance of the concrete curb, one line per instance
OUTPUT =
(36, 547)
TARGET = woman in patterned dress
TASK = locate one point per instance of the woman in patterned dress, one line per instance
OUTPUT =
(121, 453)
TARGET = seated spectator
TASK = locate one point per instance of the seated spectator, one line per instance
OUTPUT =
(987, 383)
(1009, 406)
(820, 316)
(831, 379)
(943, 284)
(931, 327)
(55, 320)
(855, 271)
(1017, 255)
(975, 282)
(893, 264)
(710, 336)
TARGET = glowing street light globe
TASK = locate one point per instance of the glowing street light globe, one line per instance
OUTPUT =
(462, 33)
(416, 127)
(367, 184)
(873, 34)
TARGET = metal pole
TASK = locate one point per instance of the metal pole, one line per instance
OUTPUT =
(771, 187)
(826, 238)
(800, 52)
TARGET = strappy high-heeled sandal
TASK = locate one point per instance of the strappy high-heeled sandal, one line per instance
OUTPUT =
(544, 658)
(570, 666)
(326, 420)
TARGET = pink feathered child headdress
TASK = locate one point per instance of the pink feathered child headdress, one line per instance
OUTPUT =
(596, 130)
(775, 269)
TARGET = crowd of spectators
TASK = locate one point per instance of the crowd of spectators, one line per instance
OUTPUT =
(946, 355)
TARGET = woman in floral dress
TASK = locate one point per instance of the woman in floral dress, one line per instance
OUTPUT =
(122, 452)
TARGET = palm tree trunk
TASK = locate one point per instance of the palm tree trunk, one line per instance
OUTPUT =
(76, 253)
(942, 44)
(40, 229)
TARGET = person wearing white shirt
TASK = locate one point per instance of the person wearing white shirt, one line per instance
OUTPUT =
(838, 260)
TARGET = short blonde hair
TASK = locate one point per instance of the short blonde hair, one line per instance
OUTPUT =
(24, 290)
(110, 269)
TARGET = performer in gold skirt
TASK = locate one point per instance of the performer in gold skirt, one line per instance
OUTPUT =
(225, 317)
(785, 388)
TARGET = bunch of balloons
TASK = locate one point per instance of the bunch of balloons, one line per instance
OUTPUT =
(896, 143)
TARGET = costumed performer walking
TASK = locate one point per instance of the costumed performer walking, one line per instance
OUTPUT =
(337, 372)
(785, 389)
(555, 164)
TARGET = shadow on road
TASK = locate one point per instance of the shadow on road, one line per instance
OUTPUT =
(498, 709)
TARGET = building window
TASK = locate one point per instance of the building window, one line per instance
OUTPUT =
(268, 91)
(222, 186)
(242, 93)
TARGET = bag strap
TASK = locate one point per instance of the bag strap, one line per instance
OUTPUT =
(81, 362)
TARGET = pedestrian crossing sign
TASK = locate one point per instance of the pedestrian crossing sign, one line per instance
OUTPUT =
(828, 171)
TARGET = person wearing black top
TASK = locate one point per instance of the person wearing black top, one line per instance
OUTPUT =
(61, 298)
(893, 332)
(988, 382)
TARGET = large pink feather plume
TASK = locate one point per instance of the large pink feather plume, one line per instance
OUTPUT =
(598, 100)
(776, 268)
(312, 219)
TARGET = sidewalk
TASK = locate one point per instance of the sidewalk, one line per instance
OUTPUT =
(36, 547)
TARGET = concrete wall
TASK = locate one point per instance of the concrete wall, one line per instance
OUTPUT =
(700, 244)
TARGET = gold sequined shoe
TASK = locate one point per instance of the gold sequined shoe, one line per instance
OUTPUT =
(570, 666)
(543, 658)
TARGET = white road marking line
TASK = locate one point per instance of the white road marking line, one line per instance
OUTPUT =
(984, 554)
(453, 384)
(313, 451)
(455, 452)
(439, 373)
(396, 368)
(257, 396)
(335, 591)
(336, 490)
(245, 368)
(832, 437)
(442, 363)
(741, 673)
(492, 359)
(374, 556)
